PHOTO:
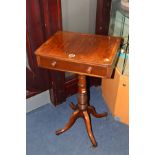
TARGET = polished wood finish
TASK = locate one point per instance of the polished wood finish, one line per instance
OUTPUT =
(84, 54)
(92, 55)
(82, 109)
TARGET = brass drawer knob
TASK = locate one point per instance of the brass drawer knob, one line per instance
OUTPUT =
(124, 85)
(89, 70)
(53, 64)
(71, 55)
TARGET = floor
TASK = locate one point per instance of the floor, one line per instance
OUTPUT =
(112, 136)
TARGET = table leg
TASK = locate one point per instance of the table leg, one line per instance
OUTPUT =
(92, 110)
(71, 121)
(89, 128)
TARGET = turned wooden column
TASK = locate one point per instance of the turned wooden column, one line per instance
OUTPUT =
(82, 109)
(82, 93)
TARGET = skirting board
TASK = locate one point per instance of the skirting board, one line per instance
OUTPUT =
(37, 101)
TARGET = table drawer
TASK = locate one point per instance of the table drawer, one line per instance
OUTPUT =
(80, 68)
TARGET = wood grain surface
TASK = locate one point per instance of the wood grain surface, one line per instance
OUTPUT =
(88, 54)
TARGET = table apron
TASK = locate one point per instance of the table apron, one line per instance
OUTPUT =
(79, 68)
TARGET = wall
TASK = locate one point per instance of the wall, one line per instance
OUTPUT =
(79, 15)
(37, 101)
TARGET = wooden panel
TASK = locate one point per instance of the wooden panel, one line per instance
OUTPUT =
(55, 18)
(34, 23)
(45, 16)
(103, 16)
(51, 16)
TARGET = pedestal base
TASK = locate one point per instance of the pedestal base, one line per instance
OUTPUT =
(82, 109)
(85, 114)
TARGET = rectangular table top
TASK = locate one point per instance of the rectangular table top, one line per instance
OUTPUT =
(91, 53)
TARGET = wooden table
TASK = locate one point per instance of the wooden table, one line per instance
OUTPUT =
(84, 54)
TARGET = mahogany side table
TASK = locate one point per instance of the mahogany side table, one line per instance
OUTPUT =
(84, 54)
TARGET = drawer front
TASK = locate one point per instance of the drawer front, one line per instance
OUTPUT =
(79, 68)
